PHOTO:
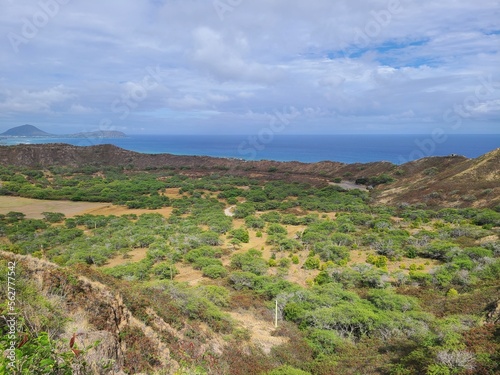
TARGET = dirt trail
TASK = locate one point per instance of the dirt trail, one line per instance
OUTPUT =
(349, 185)
(229, 211)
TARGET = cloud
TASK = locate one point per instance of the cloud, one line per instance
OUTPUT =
(226, 62)
(377, 63)
(32, 101)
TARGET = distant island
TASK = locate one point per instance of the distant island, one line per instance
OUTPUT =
(33, 131)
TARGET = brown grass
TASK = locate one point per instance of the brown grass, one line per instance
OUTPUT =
(260, 330)
(33, 208)
(133, 256)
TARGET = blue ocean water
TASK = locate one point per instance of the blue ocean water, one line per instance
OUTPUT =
(397, 149)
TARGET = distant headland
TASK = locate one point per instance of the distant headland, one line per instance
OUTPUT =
(33, 131)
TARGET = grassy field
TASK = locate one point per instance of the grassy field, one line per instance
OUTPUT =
(33, 208)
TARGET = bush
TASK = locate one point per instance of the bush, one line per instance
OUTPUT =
(285, 262)
(386, 300)
(203, 262)
(323, 341)
(243, 280)
(240, 234)
(312, 263)
(214, 271)
(218, 295)
(271, 217)
(379, 261)
(287, 370)
(243, 210)
(165, 271)
(254, 222)
(204, 251)
(276, 229)
(250, 261)
(53, 217)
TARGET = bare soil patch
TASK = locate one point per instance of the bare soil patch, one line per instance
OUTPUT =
(132, 256)
(260, 330)
(110, 209)
(33, 208)
(188, 274)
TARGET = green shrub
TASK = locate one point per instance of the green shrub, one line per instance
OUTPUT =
(312, 263)
(214, 271)
(165, 271)
(250, 261)
(218, 295)
(203, 262)
(276, 229)
(287, 370)
(285, 262)
(240, 234)
(324, 342)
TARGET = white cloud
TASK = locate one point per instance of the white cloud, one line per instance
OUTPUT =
(32, 101)
(412, 64)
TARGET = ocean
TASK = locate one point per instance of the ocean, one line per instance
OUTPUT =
(397, 149)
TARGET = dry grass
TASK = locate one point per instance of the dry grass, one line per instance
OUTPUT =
(110, 209)
(33, 208)
(132, 256)
(260, 329)
(188, 274)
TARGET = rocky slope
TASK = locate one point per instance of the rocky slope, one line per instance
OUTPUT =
(96, 313)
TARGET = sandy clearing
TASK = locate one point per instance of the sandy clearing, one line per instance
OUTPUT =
(33, 208)
(110, 209)
(349, 185)
(188, 274)
(133, 256)
(260, 330)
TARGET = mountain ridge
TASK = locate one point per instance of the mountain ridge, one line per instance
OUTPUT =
(32, 131)
(449, 181)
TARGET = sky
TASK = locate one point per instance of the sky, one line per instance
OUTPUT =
(250, 66)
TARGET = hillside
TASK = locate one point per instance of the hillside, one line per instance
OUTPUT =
(181, 269)
(451, 181)
(436, 181)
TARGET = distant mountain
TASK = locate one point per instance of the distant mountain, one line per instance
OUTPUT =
(26, 131)
(98, 134)
(33, 131)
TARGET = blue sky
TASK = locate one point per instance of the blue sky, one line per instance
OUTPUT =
(238, 66)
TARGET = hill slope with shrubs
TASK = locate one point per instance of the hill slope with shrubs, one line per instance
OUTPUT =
(356, 286)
